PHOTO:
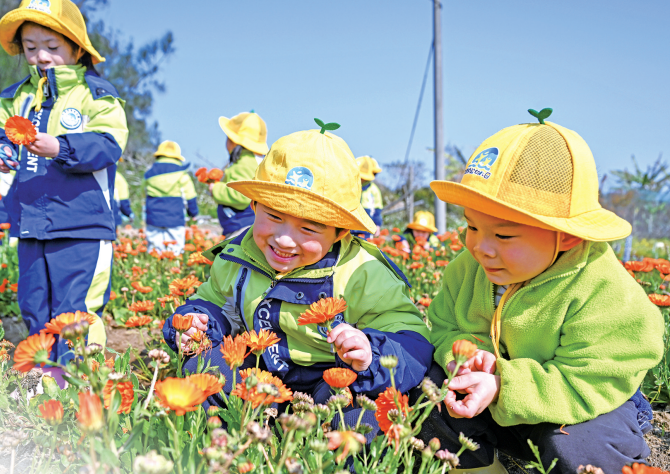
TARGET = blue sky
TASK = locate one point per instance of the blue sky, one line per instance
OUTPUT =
(602, 66)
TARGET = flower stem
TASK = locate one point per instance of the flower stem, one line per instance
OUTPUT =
(151, 389)
(360, 418)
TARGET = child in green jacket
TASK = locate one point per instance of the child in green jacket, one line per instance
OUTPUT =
(306, 198)
(565, 335)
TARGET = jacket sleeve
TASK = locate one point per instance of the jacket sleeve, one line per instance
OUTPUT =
(242, 170)
(100, 144)
(189, 194)
(393, 325)
(4, 115)
(124, 206)
(208, 299)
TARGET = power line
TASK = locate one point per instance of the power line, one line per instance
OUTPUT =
(418, 105)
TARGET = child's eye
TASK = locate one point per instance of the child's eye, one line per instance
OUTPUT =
(504, 237)
(272, 216)
(312, 231)
(31, 49)
(53, 49)
(472, 228)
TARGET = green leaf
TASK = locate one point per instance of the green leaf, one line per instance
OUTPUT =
(2, 331)
(331, 126)
(318, 122)
(533, 112)
(545, 113)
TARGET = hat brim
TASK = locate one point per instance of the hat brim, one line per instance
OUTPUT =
(422, 228)
(257, 148)
(367, 176)
(598, 225)
(169, 155)
(304, 204)
(12, 21)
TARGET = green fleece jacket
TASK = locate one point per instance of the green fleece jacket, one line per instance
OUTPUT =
(577, 340)
(243, 169)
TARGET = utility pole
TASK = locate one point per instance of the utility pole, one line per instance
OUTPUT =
(440, 206)
(409, 201)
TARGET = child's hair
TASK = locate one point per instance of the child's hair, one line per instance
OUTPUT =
(86, 59)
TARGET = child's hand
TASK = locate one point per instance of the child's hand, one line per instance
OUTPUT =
(352, 345)
(211, 187)
(482, 361)
(199, 323)
(481, 389)
(7, 152)
(45, 145)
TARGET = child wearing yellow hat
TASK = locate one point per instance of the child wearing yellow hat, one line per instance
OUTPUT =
(61, 199)
(247, 144)
(169, 189)
(371, 196)
(299, 251)
(421, 231)
(564, 335)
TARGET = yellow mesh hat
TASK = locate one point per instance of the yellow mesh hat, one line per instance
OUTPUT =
(538, 174)
(169, 149)
(62, 16)
(247, 129)
(366, 168)
(311, 175)
(377, 169)
(423, 220)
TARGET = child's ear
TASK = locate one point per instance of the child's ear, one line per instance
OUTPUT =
(341, 233)
(568, 241)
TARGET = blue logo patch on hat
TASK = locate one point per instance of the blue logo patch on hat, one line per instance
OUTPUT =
(70, 118)
(40, 5)
(301, 177)
(482, 163)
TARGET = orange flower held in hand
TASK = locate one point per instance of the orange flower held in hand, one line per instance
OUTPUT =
(20, 130)
(127, 395)
(215, 175)
(179, 395)
(322, 311)
(234, 350)
(208, 383)
(52, 412)
(463, 350)
(33, 350)
(182, 323)
(90, 412)
(339, 377)
(390, 399)
(259, 342)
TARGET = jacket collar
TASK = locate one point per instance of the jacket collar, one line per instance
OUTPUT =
(61, 79)
(570, 261)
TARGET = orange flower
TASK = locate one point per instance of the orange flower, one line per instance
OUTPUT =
(138, 321)
(463, 350)
(456, 247)
(208, 383)
(20, 130)
(90, 412)
(127, 395)
(189, 248)
(14, 287)
(660, 300)
(390, 399)
(142, 289)
(201, 174)
(322, 311)
(197, 258)
(284, 394)
(395, 229)
(234, 350)
(425, 302)
(384, 232)
(59, 322)
(141, 306)
(246, 467)
(5, 225)
(441, 263)
(165, 299)
(179, 395)
(110, 362)
(350, 440)
(663, 267)
(396, 238)
(416, 265)
(339, 377)
(215, 175)
(33, 350)
(112, 296)
(3, 287)
(179, 285)
(643, 266)
(52, 412)
(637, 468)
(182, 323)
(259, 342)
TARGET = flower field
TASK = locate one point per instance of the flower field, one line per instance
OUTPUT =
(136, 412)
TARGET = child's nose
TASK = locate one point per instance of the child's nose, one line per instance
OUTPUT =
(285, 241)
(484, 247)
(43, 56)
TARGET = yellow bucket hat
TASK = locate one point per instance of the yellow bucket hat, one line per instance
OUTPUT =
(247, 129)
(311, 175)
(424, 221)
(169, 149)
(538, 174)
(62, 16)
(366, 168)
(377, 169)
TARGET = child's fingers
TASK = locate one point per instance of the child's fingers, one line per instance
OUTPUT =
(462, 382)
(466, 408)
(358, 354)
(336, 331)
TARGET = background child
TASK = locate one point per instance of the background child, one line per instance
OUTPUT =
(246, 143)
(60, 200)
(169, 189)
(299, 251)
(121, 199)
(572, 335)
(421, 231)
(371, 196)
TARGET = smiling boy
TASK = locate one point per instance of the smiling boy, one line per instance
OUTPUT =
(565, 335)
(298, 251)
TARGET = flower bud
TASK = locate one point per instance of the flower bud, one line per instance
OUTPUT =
(212, 410)
(589, 469)
(160, 356)
(463, 350)
(434, 444)
(338, 401)
(365, 403)
(68, 332)
(271, 412)
(426, 454)
(467, 443)
(152, 463)
(93, 349)
(322, 411)
(318, 445)
(417, 444)
(214, 422)
(251, 381)
(388, 361)
(302, 397)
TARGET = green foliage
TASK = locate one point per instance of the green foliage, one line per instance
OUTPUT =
(538, 464)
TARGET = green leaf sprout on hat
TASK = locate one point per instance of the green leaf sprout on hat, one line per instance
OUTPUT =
(326, 126)
(541, 115)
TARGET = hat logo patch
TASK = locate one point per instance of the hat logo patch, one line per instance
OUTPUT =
(40, 5)
(301, 177)
(482, 163)
(70, 118)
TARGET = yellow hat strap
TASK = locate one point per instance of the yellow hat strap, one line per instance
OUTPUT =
(39, 95)
(511, 289)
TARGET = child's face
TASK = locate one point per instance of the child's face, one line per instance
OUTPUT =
(508, 252)
(420, 234)
(289, 242)
(45, 48)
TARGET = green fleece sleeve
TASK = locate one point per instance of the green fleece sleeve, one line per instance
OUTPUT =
(244, 169)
